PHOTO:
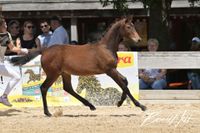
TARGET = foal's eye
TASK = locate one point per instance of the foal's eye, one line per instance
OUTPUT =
(129, 27)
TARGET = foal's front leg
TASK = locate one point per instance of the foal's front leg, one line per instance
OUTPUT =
(123, 97)
(114, 74)
(44, 88)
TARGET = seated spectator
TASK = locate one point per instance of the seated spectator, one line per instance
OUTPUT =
(152, 78)
(44, 38)
(195, 46)
(194, 74)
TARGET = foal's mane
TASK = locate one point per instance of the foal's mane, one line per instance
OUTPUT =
(117, 20)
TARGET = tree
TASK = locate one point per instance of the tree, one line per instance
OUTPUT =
(158, 20)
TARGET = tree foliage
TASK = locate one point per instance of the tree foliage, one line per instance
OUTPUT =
(122, 5)
(158, 19)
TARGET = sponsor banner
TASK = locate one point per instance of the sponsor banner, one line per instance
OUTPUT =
(98, 89)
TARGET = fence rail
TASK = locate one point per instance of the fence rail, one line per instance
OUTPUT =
(169, 60)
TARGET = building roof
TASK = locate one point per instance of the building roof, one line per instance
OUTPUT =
(51, 5)
(43, 5)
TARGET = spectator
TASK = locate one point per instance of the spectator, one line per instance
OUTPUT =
(14, 30)
(152, 78)
(7, 70)
(44, 38)
(123, 47)
(60, 35)
(195, 46)
(27, 40)
(194, 74)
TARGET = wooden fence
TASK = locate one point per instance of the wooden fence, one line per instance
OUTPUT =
(169, 60)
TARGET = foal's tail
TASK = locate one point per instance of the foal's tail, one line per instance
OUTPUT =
(17, 61)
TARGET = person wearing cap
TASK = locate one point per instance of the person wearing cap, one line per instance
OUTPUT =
(152, 78)
(14, 30)
(195, 46)
(5, 69)
(60, 35)
(194, 74)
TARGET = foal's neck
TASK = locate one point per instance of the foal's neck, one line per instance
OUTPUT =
(112, 38)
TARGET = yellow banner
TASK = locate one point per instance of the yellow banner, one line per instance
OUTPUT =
(125, 59)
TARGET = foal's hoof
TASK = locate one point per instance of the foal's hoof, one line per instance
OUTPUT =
(48, 114)
(119, 104)
(92, 108)
(143, 108)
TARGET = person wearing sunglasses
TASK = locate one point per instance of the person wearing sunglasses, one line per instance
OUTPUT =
(14, 30)
(45, 37)
(6, 69)
(28, 41)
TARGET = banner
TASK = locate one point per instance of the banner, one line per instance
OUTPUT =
(98, 89)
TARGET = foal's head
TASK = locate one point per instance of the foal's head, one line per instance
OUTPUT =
(128, 31)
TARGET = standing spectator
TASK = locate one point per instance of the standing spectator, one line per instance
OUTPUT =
(152, 78)
(14, 30)
(45, 37)
(27, 40)
(60, 35)
(194, 74)
(123, 47)
(5, 69)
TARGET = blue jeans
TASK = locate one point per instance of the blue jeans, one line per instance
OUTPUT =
(195, 78)
(156, 85)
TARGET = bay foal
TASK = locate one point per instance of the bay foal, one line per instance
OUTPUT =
(88, 59)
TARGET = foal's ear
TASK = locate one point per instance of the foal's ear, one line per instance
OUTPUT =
(129, 18)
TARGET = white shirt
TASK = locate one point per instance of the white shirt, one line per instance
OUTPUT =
(59, 36)
(45, 39)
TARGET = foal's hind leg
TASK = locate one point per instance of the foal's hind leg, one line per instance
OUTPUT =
(44, 88)
(68, 87)
(123, 97)
(114, 74)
